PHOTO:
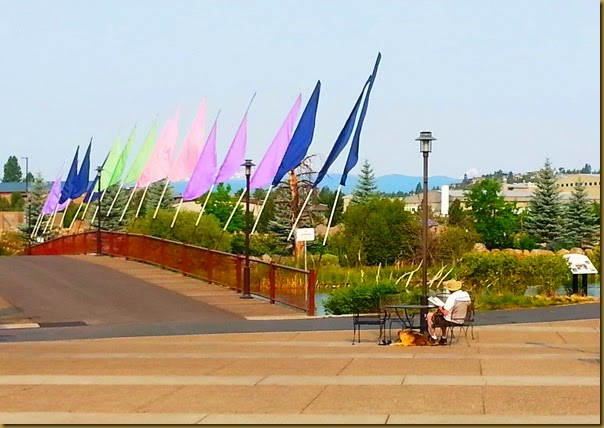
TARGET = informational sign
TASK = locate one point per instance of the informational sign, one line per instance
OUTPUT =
(305, 234)
(579, 264)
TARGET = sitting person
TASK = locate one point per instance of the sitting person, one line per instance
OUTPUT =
(443, 316)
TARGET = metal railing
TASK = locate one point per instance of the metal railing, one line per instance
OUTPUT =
(276, 283)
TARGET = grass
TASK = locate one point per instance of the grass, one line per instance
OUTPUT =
(508, 301)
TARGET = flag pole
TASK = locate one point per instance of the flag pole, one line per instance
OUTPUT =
(300, 214)
(268, 192)
(203, 208)
(161, 198)
(114, 199)
(234, 210)
(230, 218)
(96, 211)
(75, 216)
(128, 203)
(140, 204)
(333, 210)
(176, 213)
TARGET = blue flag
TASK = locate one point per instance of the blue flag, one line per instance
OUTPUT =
(353, 155)
(82, 180)
(298, 146)
(343, 138)
(71, 179)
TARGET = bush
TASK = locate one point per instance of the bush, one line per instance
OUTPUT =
(365, 298)
(512, 273)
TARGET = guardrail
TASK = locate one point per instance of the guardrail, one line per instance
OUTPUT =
(276, 283)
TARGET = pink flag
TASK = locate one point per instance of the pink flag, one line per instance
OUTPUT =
(184, 165)
(158, 165)
(236, 154)
(205, 170)
(265, 172)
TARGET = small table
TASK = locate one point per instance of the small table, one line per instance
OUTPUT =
(404, 313)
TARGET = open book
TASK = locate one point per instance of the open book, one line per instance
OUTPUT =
(436, 301)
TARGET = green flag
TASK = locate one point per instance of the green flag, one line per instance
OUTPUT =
(142, 157)
(121, 163)
(110, 163)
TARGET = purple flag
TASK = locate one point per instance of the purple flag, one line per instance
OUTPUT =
(236, 154)
(264, 173)
(205, 170)
(53, 198)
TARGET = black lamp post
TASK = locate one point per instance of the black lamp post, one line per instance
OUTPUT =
(248, 164)
(28, 204)
(425, 146)
(98, 230)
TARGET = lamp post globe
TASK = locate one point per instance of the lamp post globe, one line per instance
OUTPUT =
(248, 164)
(425, 147)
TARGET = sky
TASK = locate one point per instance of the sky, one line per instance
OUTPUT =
(502, 84)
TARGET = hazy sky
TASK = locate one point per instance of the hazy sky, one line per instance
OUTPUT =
(502, 84)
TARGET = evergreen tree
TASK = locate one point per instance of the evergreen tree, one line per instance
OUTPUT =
(283, 219)
(419, 188)
(112, 222)
(154, 192)
(38, 191)
(544, 219)
(581, 224)
(366, 187)
(12, 170)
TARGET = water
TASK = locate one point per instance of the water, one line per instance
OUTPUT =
(593, 290)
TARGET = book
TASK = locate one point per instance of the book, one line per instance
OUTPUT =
(436, 301)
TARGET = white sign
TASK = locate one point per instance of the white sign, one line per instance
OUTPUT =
(305, 234)
(579, 264)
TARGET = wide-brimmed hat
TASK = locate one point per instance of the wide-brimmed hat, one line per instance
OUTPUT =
(453, 285)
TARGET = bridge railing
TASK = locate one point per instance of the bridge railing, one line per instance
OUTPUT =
(274, 282)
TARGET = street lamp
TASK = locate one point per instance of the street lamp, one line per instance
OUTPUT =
(425, 146)
(98, 230)
(248, 164)
(28, 204)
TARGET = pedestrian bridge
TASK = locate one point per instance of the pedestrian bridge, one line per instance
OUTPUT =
(268, 280)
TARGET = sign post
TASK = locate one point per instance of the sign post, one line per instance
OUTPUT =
(579, 264)
(305, 234)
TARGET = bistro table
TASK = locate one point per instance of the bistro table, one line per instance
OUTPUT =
(404, 314)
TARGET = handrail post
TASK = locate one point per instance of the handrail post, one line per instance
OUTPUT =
(312, 276)
(209, 266)
(238, 266)
(272, 281)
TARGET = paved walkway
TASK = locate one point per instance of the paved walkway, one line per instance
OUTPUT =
(531, 373)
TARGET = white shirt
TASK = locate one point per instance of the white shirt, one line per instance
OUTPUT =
(456, 296)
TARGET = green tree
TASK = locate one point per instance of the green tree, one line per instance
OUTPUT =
(378, 231)
(458, 216)
(544, 219)
(581, 224)
(221, 205)
(327, 197)
(366, 187)
(16, 201)
(268, 212)
(494, 218)
(12, 170)
(112, 222)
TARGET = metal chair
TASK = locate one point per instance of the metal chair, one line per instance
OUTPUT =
(463, 316)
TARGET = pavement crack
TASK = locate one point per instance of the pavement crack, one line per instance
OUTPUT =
(345, 367)
(313, 400)
(177, 388)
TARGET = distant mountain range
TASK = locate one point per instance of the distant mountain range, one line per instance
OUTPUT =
(391, 183)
